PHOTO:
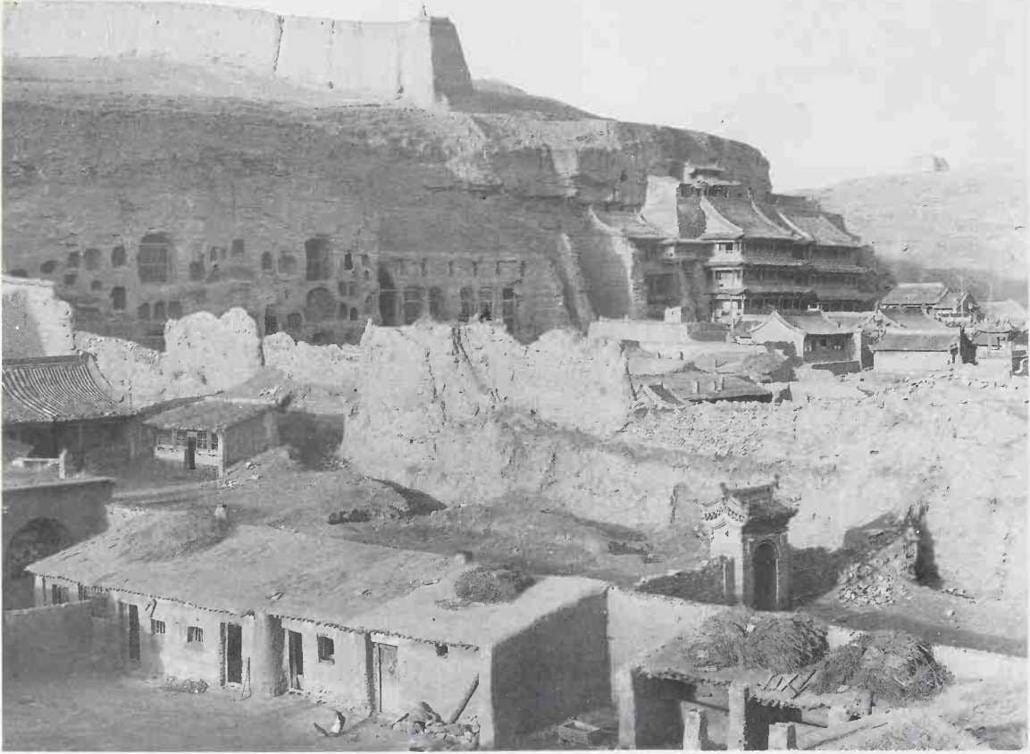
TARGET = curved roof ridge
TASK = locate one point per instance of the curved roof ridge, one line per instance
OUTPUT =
(758, 211)
(711, 212)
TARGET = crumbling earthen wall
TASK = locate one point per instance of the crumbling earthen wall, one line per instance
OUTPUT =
(430, 417)
(328, 365)
(392, 59)
(35, 321)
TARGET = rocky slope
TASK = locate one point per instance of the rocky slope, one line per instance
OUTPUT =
(960, 223)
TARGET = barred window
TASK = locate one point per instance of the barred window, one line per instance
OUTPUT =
(157, 626)
(194, 635)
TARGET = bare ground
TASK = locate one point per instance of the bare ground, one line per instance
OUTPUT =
(106, 713)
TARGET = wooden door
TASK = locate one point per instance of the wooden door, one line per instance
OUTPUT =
(385, 686)
(765, 567)
(232, 651)
(133, 633)
(191, 453)
(295, 656)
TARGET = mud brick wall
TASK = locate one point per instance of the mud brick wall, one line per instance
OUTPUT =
(47, 641)
(555, 668)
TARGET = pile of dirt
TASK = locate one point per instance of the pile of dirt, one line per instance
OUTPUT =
(896, 667)
(741, 638)
(166, 535)
(484, 584)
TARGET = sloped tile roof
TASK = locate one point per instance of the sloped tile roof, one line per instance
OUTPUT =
(57, 389)
(742, 213)
(818, 227)
(915, 294)
(915, 321)
(902, 340)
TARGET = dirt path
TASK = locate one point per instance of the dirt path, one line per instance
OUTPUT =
(103, 713)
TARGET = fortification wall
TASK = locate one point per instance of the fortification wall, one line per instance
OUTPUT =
(384, 59)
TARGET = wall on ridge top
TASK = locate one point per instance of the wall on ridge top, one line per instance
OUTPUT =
(387, 59)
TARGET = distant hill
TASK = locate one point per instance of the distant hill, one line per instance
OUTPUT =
(966, 224)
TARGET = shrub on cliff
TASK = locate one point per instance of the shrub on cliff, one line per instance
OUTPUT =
(491, 584)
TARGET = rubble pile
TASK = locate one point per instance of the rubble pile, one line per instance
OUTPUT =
(428, 731)
(883, 575)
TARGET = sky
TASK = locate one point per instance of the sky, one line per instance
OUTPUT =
(827, 89)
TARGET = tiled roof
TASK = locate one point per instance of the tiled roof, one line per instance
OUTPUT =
(915, 294)
(915, 321)
(742, 213)
(1010, 312)
(208, 415)
(629, 222)
(902, 340)
(689, 386)
(817, 227)
(57, 389)
(814, 323)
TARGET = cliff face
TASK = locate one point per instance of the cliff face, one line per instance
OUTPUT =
(314, 208)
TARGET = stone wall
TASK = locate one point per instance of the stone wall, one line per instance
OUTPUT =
(35, 321)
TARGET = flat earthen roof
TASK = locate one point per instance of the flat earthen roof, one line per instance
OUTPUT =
(332, 581)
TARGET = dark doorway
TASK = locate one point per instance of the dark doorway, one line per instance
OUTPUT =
(295, 650)
(133, 633)
(387, 298)
(385, 689)
(765, 567)
(232, 649)
(190, 460)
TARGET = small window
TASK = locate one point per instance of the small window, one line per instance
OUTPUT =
(48, 267)
(83, 593)
(326, 649)
(157, 626)
(58, 594)
(475, 269)
(73, 259)
(364, 260)
(441, 650)
(522, 269)
(181, 438)
(96, 285)
(214, 441)
(450, 269)
(159, 311)
(118, 298)
(194, 635)
(238, 249)
(368, 274)
(424, 267)
(92, 257)
(174, 310)
(201, 440)
(197, 271)
(212, 254)
(497, 269)
(70, 278)
(341, 311)
(353, 314)
(266, 261)
(118, 256)
(294, 321)
(348, 261)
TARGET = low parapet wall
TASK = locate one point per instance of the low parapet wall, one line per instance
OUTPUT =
(419, 60)
(45, 641)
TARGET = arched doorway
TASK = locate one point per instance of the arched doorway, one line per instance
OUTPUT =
(39, 538)
(765, 566)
